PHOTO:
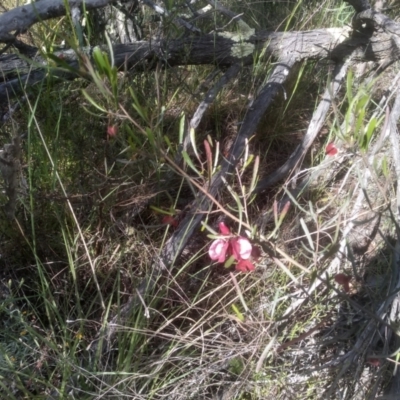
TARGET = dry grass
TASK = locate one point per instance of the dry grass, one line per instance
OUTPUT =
(90, 226)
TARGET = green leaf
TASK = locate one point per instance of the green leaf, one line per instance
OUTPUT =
(181, 128)
(110, 48)
(307, 232)
(137, 106)
(384, 166)
(98, 106)
(137, 140)
(150, 136)
(61, 63)
(209, 229)
(99, 60)
(237, 313)
(359, 123)
(236, 365)
(362, 102)
(229, 262)
(192, 135)
(237, 200)
(254, 177)
(349, 117)
(369, 131)
(166, 139)
(189, 162)
(349, 85)
(161, 211)
(248, 161)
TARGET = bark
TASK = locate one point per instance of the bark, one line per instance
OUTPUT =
(221, 50)
(314, 128)
(375, 38)
(359, 5)
(21, 18)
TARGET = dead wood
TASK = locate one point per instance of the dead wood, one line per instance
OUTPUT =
(314, 127)
(21, 18)
(375, 38)
(359, 5)
(221, 49)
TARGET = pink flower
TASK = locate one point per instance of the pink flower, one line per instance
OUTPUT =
(376, 362)
(223, 229)
(331, 149)
(238, 247)
(241, 248)
(170, 220)
(245, 266)
(218, 249)
(344, 280)
(112, 130)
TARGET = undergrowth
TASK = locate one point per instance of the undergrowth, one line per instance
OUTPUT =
(98, 184)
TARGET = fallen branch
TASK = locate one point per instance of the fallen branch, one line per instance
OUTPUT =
(313, 129)
(394, 389)
(208, 100)
(221, 49)
(21, 18)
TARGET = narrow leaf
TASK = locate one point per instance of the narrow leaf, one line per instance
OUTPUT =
(254, 178)
(189, 162)
(98, 106)
(349, 85)
(192, 136)
(181, 128)
(209, 158)
(307, 232)
(238, 313)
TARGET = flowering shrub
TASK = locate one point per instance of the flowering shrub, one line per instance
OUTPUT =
(236, 247)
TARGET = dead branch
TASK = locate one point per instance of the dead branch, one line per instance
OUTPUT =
(21, 18)
(394, 389)
(208, 100)
(314, 127)
(359, 5)
(220, 49)
(257, 109)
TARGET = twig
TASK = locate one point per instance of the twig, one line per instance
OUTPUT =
(208, 99)
(394, 389)
(255, 112)
(162, 11)
(21, 18)
(314, 127)
(358, 204)
(230, 14)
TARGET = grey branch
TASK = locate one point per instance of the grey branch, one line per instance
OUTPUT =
(213, 49)
(313, 129)
(359, 5)
(394, 387)
(21, 18)
(208, 100)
